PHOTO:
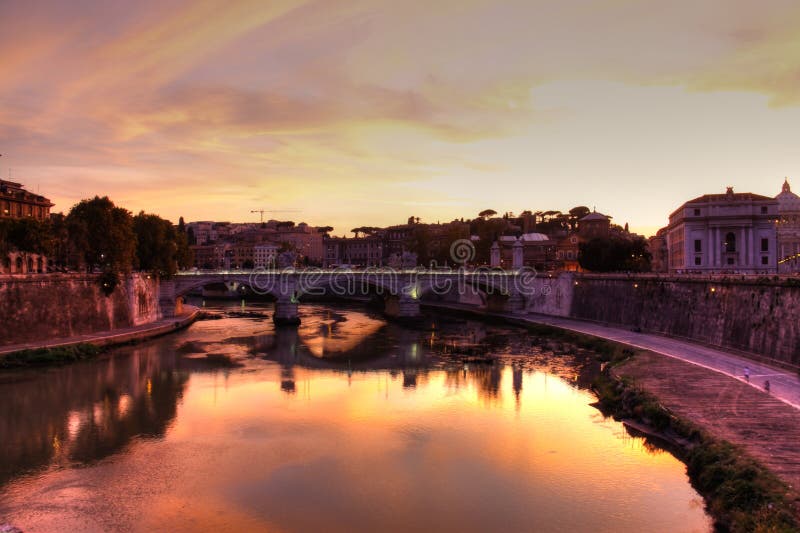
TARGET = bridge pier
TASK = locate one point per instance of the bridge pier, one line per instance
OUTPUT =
(286, 312)
(402, 307)
(505, 303)
(167, 301)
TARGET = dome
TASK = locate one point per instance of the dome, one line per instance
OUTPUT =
(788, 202)
(594, 216)
(533, 237)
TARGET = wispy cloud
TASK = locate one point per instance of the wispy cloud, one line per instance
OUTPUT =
(207, 108)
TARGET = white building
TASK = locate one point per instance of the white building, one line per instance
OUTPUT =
(264, 255)
(724, 233)
(788, 230)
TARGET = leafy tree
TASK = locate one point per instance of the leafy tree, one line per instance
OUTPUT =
(26, 235)
(191, 237)
(183, 255)
(577, 213)
(102, 235)
(419, 242)
(487, 213)
(615, 253)
(60, 231)
(156, 244)
(325, 229)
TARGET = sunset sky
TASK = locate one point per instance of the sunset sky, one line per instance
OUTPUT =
(368, 112)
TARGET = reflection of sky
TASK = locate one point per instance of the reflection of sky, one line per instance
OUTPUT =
(365, 453)
(337, 333)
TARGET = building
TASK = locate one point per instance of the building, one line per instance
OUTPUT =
(363, 251)
(788, 230)
(721, 233)
(538, 251)
(305, 240)
(593, 226)
(567, 252)
(659, 253)
(264, 255)
(242, 255)
(16, 202)
(209, 256)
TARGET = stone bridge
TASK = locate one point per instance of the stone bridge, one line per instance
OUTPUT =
(401, 290)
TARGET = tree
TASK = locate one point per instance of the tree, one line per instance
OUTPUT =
(156, 244)
(615, 253)
(325, 229)
(577, 213)
(26, 235)
(487, 213)
(191, 238)
(102, 235)
(184, 255)
(419, 242)
(61, 250)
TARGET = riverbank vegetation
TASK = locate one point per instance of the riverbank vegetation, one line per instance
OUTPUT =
(59, 355)
(741, 494)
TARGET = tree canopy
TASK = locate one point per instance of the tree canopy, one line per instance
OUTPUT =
(615, 253)
(102, 234)
(156, 244)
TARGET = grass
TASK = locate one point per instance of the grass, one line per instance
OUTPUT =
(60, 355)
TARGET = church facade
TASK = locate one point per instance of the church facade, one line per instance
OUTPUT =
(724, 233)
(788, 230)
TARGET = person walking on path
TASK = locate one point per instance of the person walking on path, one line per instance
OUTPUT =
(747, 374)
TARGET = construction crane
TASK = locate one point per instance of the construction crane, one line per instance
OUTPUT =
(262, 211)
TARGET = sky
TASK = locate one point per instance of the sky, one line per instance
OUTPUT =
(350, 113)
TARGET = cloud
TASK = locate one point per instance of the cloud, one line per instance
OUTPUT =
(312, 101)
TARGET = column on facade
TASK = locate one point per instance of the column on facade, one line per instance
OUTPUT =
(708, 248)
(751, 253)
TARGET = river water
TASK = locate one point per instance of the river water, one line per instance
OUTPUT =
(345, 424)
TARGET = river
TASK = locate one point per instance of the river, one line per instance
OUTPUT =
(344, 424)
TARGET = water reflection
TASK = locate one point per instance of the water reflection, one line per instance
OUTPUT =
(85, 412)
(346, 423)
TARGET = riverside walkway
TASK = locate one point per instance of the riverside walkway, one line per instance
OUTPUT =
(117, 336)
(784, 384)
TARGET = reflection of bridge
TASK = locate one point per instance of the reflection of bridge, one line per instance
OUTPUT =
(401, 290)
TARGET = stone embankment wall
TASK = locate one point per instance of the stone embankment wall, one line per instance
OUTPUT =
(758, 316)
(43, 307)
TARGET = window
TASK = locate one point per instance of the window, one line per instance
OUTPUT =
(730, 243)
(698, 261)
(730, 260)
(697, 212)
(764, 260)
(764, 210)
(765, 245)
(698, 246)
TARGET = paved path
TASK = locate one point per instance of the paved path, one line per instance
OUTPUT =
(784, 384)
(730, 409)
(116, 336)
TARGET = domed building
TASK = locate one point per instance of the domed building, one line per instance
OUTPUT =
(788, 230)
